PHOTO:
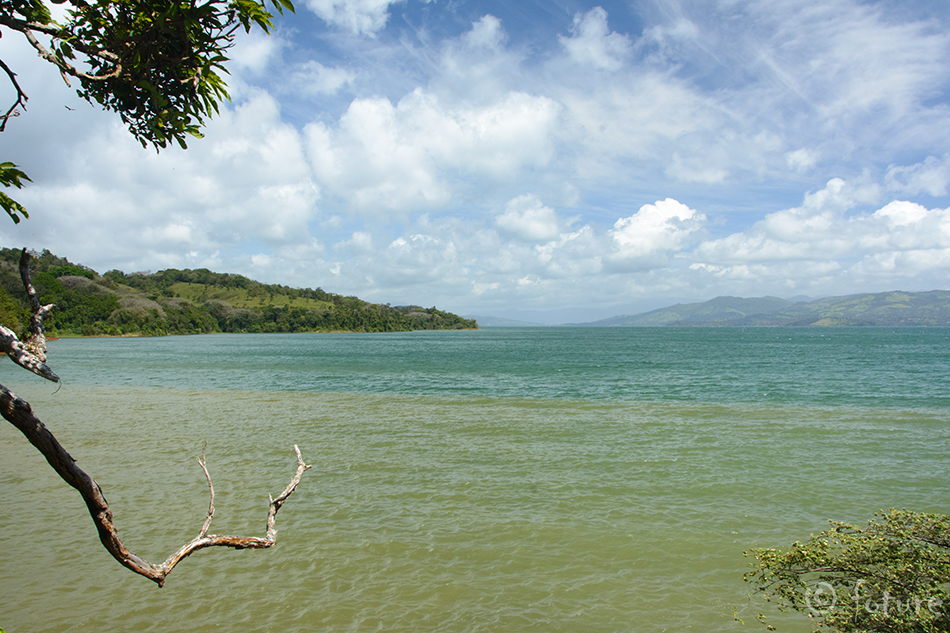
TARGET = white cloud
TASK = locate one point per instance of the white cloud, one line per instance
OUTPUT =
(379, 157)
(418, 259)
(801, 160)
(648, 125)
(682, 29)
(361, 242)
(486, 33)
(806, 232)
(869, 62)
(479, 289)
(313, 78)
(901, 239)
(900, 213)
(931, 176)
(575, 255)
(357, 16)
(650, 237)
(906, 226)
(247, 177)
(253, 51)
(526, 218)
(838, 69)
(593, 43)
(709, 168)
(479, 68)
(402, 157)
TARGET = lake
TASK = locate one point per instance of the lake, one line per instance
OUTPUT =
(523, 479)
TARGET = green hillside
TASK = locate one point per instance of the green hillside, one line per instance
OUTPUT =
(192, 302)
(247, 298)
(880, 309)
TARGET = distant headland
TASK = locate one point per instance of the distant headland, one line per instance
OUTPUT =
(193, 302)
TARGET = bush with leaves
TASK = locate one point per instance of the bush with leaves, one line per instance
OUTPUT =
(892, 575)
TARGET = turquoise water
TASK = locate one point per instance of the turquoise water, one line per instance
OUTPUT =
(499, 480)
(900, 367)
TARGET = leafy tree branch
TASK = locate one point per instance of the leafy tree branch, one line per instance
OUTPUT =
(10, 176)
(158, 64)
(892, 575)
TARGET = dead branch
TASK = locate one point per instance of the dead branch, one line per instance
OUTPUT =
(36, 343)
(20, 100)
(29, 354)
(32, 356)
(237, 542)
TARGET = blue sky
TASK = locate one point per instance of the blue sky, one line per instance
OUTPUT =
(551, 161)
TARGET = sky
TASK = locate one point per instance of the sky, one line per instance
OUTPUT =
(551, 161)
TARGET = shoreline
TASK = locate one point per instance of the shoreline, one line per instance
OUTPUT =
(140, 335)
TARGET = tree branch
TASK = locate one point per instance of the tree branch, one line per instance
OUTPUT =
(36, 343)
(32, 355)
(237, 542)
(28, 28)
(19, 413)
(20, 100)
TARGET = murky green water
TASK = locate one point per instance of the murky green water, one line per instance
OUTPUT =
(527, 480)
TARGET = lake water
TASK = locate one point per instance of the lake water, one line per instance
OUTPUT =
(502, 480)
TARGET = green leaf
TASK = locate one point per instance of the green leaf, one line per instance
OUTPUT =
(66, 50)
(280, 5)
(12, 207)
(11, 176)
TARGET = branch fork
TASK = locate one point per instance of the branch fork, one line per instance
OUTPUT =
(31, 355)
(237, 542)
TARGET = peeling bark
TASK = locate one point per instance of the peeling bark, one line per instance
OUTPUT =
(31, 355)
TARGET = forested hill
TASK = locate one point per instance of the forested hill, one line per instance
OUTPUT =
(193, 302)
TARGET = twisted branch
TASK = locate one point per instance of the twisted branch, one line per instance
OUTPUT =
(32, 356)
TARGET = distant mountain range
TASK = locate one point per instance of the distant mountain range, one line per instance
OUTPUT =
(880, 309)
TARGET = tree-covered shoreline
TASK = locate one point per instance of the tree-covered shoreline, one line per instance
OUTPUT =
(194, 302)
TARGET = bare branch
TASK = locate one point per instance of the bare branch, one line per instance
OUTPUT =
(37, 341)
(20, 100)
(21, 354)
(32, 356)
(29, 354)
(19, 413)
(204, 467)
(204, 539)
